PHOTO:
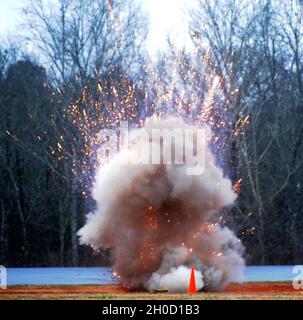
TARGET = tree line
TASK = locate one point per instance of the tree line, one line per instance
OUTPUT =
(83, 64)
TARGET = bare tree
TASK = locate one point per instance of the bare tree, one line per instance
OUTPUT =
(257, 48)
(82, 42)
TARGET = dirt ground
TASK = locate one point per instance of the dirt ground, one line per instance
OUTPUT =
(247, 291)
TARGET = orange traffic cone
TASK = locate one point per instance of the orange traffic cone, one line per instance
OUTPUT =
(192, 282)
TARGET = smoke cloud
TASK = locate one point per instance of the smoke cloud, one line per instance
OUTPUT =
(159, 221)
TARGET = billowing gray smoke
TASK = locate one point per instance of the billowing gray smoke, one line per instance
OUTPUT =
(159, 221)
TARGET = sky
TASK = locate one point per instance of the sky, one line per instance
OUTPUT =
(167, 17)
(8, 15)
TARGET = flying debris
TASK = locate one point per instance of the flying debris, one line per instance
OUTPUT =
(159, 221)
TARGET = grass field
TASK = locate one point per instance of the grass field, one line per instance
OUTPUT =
(247, 291)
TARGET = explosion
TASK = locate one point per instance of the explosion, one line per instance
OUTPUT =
(160, 221)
